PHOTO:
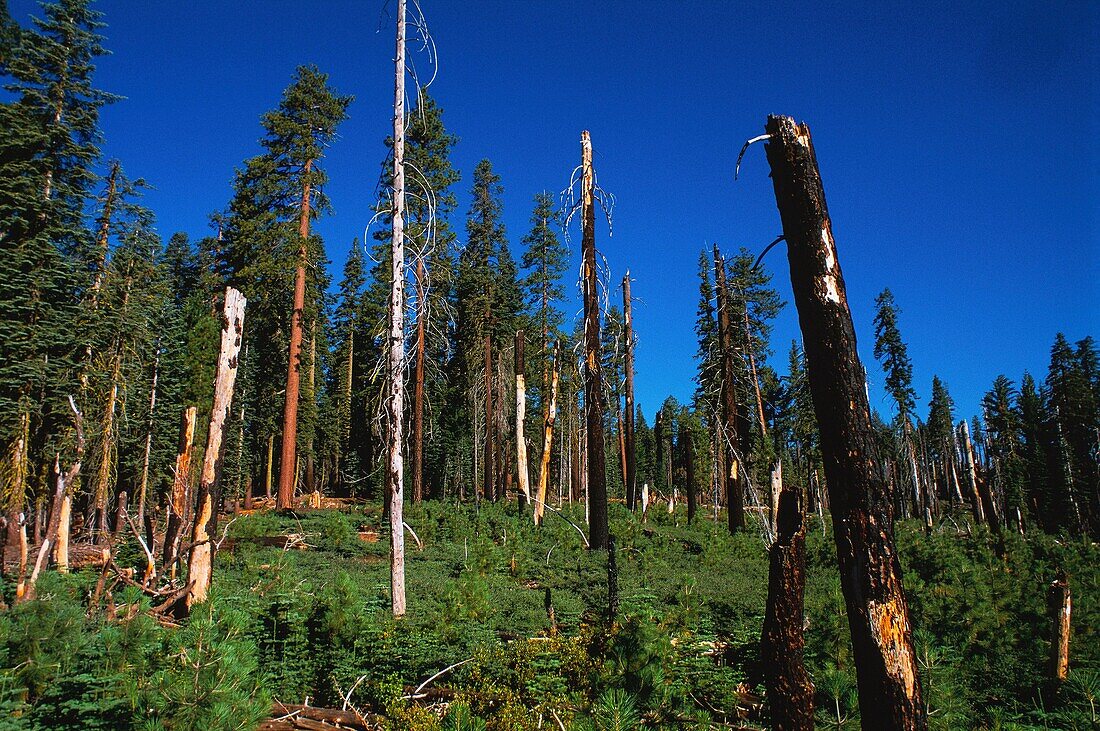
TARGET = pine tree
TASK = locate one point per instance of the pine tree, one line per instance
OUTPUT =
(1004, 426)
(891, 351)
(267, 246)
(708, 366)
(545, 258)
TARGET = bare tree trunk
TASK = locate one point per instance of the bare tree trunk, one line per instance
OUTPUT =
(488, 459)
(106, 462)
(288, 464)
(418, 387)
(200, 565)
(395, 467)
(631, 474)
(549, 415)
(735, 498)
(790, 691)
(972, 474)
(521, 411)
(61, 550)
(878, 615)
(270, 465)
(776, 490)
(144, 485)
(58, 512)
(177, 501)
(1061, 612)
(593, 380)
(689, 468)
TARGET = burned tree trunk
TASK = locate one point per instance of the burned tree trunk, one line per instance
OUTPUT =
(395, 383)
(878, 615)
(177, 501)
(790, 691)
(201, 560)
(735, 499)
(593, 380)
(418, 386)
(288, 464)
(549, 415)
(631, 475)
(521, 411)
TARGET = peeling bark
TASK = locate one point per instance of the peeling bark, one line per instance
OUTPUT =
(200, 564)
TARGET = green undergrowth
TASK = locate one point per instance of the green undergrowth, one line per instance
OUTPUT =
(681, 651)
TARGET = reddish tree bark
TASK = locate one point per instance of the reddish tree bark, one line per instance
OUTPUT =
(288, 463)
(631, 474)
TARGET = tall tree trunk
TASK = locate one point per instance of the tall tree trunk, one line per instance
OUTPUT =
(549, 415)
(972, 474)
(790, 691)
(269, 472)
(17, 497)
(521, 412)
(593, 380)
(752, 371)
(689, 469)
(201, 561)
(106, 461)
(395, 383)
(146, 458)
(878, 615)
(735, 498)
(177, 501)
(418, 386)
(488, 467)
(631, 475)
(288, 463)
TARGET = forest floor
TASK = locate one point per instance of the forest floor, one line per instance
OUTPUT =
(514, 627)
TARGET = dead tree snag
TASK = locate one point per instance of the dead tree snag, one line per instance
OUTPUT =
(878, 616)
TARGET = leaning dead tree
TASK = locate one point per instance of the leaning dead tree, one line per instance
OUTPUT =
(735, 498)
(593, 379)
(1060, 605)
(395, 383)
(177, 500)
(790, 691)
(200, 565)
(878, 615)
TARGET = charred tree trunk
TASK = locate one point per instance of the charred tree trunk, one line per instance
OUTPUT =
(522, 474)
(201, 561)
(593, 380)
(878, 615)
(418, 387)
(181, 481)
(288, 464)
(395, 383)
(631, 475)
(735, 499)
(790, 691)
(549, 415)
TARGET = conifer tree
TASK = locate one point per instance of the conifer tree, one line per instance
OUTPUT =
(545, 258)
(268, 245)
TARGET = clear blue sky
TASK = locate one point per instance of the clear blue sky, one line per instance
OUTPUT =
(957, 143)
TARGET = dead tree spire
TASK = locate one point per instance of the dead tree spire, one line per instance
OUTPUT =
(878, 615)
(631, 475)
(593, 380)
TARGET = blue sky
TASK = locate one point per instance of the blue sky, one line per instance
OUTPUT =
(957, 144)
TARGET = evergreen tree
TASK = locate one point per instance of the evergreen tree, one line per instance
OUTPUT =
(260, 250)
(545, 258)
(708, 365)
(891, 351)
